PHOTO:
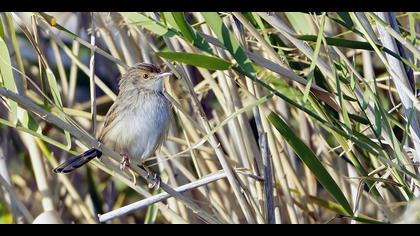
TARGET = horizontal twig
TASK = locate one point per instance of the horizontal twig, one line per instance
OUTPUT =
(159, 197)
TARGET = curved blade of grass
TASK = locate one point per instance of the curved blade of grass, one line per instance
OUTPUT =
(13, 39)
(311, 161)
(314, 58)
(339, 210)
(176, 19)
(189, 32)
(54, 88)
(340, 93)
(208, 62)
(7, 80)
(52, 82)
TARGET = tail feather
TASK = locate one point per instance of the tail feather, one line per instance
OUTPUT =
(77, 161)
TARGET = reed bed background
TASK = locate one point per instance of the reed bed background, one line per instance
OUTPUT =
(278, 117)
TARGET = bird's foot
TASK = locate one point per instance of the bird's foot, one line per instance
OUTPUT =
(125, 162)
(154, 180)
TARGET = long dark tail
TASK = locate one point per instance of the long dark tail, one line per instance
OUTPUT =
(77, 161)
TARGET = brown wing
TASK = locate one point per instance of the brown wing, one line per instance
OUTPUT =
(109, 118)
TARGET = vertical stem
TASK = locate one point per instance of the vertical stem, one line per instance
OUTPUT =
(268, 179)
(400, 77)
(65, 180)
(61, 71)
(39, 171)
(279, 160)
(73, 75)
(40, 64)
(92, 76)
(14, 41)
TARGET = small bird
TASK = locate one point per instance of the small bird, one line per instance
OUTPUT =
(136, 124)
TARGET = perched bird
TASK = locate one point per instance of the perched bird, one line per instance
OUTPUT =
(138, 121)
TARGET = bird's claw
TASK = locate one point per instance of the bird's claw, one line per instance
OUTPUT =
(125, 162)
(154, 181)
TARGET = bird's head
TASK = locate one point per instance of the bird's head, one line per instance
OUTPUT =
(143, 76)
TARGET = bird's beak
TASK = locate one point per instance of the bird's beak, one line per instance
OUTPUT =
(162, 75)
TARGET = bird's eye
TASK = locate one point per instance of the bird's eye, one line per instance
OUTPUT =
(145, 76)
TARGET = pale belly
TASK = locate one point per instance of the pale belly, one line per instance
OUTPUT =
(140, 130)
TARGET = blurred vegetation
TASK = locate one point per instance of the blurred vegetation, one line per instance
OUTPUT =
(278, 117)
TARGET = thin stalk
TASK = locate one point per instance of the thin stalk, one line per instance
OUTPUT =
(39, 171)
(159, 197)
(12, 34)
(73, 74)
(61, 71)
(92, 76)
(268, 180)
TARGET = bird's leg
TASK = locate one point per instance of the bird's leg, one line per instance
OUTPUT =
(125, 162)
(153, 177)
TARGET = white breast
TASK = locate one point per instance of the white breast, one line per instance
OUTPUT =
(142, 128)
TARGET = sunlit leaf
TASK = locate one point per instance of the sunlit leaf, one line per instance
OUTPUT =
(208, 62)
